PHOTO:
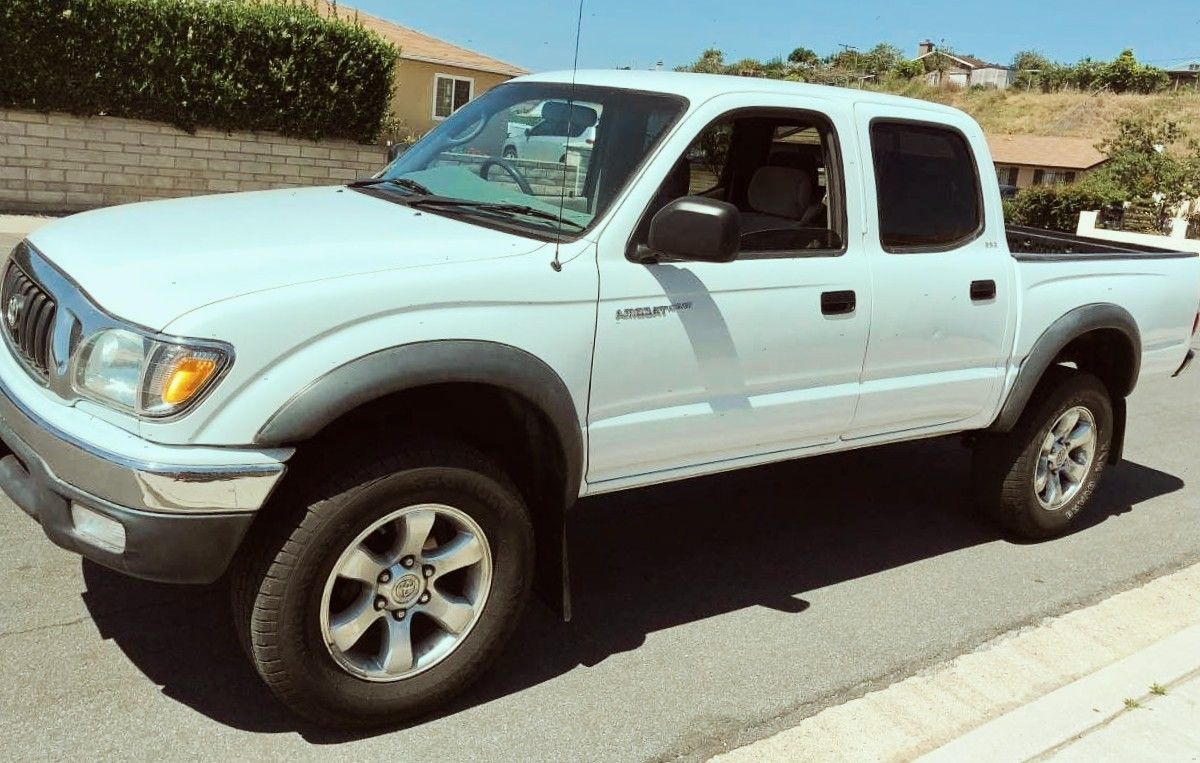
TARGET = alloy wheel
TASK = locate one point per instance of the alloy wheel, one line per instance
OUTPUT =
(1065, 458)
(406, 592)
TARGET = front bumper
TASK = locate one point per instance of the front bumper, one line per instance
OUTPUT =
(182, 524)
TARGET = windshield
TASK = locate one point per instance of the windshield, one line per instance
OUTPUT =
(547, 158)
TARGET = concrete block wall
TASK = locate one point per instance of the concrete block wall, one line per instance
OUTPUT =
(52, 163)
(545, 178)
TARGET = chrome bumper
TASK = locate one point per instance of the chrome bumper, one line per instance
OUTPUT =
(134, 484)
(170, 523)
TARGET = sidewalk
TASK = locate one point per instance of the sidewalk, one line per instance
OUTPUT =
(1145, 707)
(1119, 681)
(1165, 727)
(13, 228)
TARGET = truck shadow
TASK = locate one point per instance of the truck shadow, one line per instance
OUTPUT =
(653, 558)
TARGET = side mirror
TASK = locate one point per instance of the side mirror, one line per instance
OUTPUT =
(695, 228)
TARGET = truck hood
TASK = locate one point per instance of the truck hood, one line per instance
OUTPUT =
(152, 262)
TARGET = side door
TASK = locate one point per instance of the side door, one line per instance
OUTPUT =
(942, 311)
(545, 141)
(702, 366)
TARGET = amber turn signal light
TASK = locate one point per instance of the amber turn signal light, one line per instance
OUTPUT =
(186, 378)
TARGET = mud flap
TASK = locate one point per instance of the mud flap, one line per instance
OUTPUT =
(552, 576)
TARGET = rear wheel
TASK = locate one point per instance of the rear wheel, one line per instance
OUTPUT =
(388, 586)
(510, 152)
(1036, 479)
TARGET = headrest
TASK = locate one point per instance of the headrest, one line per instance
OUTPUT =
(781, 191)
(570, 113)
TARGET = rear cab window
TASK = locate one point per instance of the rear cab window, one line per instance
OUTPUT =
(927, 185)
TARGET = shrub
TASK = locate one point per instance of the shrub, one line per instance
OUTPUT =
(223, 64)
(1057, 207)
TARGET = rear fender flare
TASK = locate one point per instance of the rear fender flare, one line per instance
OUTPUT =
(1062, 332)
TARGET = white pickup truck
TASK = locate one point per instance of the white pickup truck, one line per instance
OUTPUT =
(374, 405)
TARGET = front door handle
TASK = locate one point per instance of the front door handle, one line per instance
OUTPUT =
(838, 302)
(983, 290)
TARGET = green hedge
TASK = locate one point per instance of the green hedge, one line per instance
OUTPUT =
(225, 64)
(1057, 207)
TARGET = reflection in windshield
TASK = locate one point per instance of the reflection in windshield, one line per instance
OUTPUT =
(559, 152)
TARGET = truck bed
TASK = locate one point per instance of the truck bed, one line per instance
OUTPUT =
(1041, 245)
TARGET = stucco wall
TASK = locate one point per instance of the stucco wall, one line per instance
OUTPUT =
(413, 98)
(62, 163)
(1025, 174)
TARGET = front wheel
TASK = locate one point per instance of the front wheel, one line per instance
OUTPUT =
(382, 590)
(1036, 479)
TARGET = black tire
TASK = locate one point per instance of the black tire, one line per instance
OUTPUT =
(1004, 464)
(509, 152)
(279, 578)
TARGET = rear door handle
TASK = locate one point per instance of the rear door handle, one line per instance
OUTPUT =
(982, 290)
(838, 302)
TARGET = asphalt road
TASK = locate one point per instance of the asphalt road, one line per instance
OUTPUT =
(709, 613)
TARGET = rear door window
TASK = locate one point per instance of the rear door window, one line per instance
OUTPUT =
(928, 187)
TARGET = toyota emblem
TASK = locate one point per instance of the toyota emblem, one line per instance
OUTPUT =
(12, 311)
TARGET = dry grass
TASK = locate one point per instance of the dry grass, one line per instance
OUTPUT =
(1068, 114)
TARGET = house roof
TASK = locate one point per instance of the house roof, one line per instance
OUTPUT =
(1043, 151)
(1186, 68)
(968, 62)
(418, 46)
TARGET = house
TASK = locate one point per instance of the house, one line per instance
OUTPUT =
(1186, 74)
(957, 70)
(434, 78)
(1023, 161)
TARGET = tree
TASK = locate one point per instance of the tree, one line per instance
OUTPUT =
(1142, 166)
(776, 68)
(747, 67)
(804, 57)
(882, 58)
(908, 69)
(1125, 74)
(711, 61)
(850, 60)
(1031, 66)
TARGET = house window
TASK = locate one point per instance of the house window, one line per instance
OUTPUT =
(1053, 177)
(1006, 175)
(450, 94)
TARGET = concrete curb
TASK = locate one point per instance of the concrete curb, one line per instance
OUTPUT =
(922, 713)
(1072, 711)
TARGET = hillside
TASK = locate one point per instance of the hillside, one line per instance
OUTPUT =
(1069, 114)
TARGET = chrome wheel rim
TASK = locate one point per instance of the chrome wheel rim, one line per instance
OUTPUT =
(1065, 458)
(406, 592)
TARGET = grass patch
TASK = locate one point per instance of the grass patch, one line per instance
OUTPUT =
(1068, 113)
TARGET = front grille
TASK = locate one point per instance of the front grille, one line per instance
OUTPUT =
(27, 313)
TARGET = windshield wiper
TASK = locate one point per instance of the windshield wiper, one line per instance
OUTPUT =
(406, 183)
(497, 207)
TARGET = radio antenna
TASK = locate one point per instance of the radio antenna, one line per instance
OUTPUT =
(562, 188)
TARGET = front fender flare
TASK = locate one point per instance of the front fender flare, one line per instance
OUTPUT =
(1076, 323)
(421, 364)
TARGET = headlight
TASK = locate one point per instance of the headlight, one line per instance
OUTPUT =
(143, 375)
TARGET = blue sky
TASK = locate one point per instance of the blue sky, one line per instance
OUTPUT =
(540, 34)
